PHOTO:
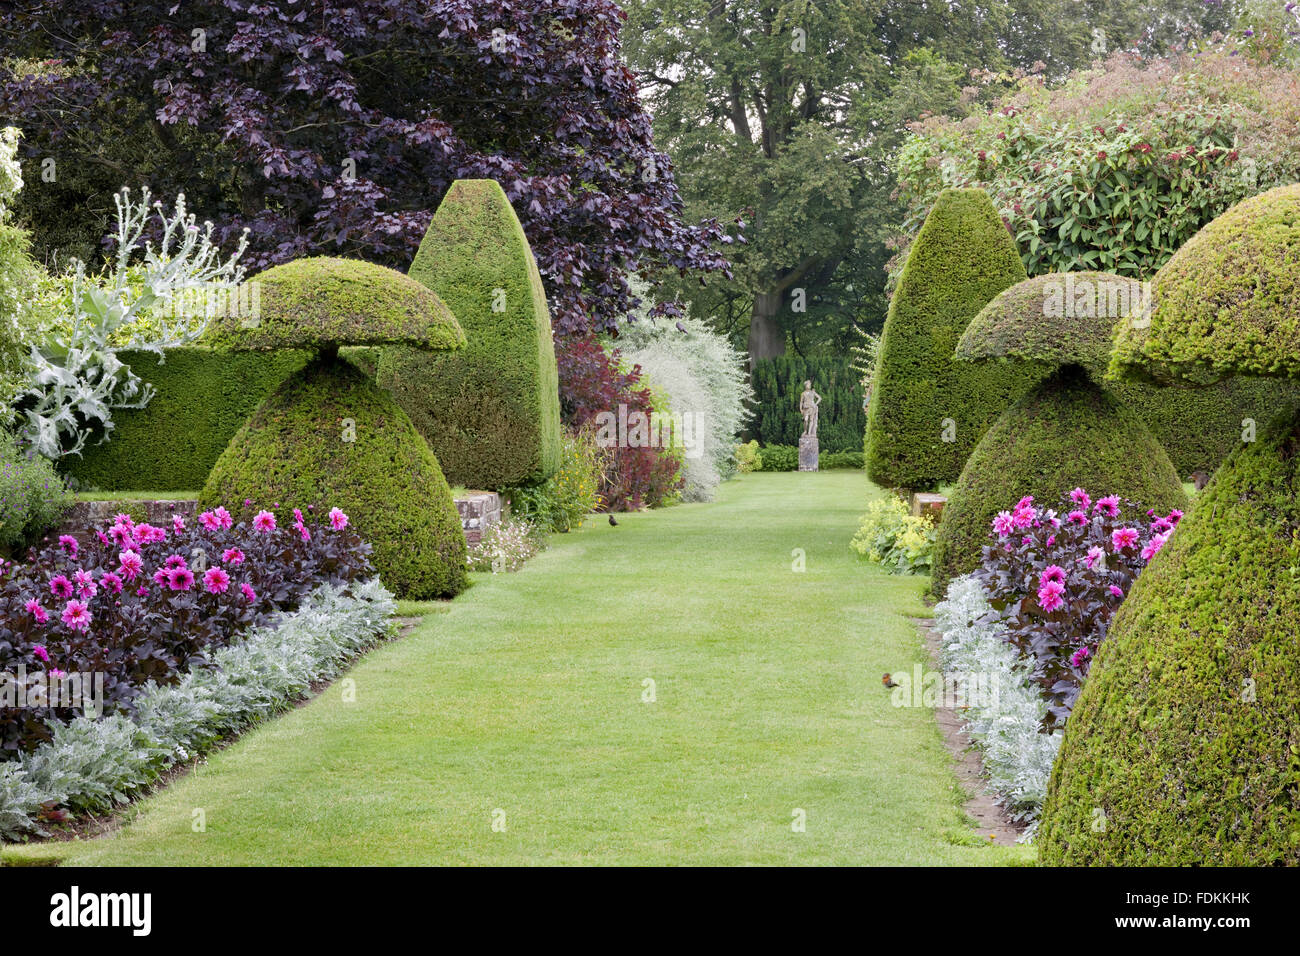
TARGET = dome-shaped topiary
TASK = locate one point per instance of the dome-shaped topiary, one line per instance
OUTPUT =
(492, 409)
(329, 437)
(322, 303)
(927, 412)
(1227, 302)
(1065, 433)
(1182, 747)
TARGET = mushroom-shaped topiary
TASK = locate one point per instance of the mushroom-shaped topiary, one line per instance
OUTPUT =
(328, 436)
(1184, 740)
(1066, 432)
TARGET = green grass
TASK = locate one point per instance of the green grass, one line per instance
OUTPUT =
(137, 495)
(526, 697)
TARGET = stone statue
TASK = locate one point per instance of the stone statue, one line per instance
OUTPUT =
(808, 452)
(808, 403)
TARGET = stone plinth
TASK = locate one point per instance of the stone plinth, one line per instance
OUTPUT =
(479, 510)
(808, 452)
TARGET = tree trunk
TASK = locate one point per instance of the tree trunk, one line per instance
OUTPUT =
(766, 340)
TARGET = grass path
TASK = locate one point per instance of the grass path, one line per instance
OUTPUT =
(526, 697)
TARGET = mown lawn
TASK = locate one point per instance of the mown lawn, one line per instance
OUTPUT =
(523, 703)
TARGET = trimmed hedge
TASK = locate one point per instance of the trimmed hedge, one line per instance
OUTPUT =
(1228, 301)
(1065, 433)
(829, 460)
(203, 397)
(491, 411)
(779, 458)
(962, 258)
(1183, 741)
(778, 383)
(298, 450)
(321, 302)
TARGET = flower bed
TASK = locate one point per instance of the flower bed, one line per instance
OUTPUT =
(1054, 579)
(144, 603)
(92, 765)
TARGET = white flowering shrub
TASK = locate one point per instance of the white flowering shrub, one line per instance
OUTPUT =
(506, 546)
(94, 765)
(1005, 726)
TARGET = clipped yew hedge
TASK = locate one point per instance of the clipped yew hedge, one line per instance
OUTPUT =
(962, 258)
(491, 410)
(778, 383)
(203, 397)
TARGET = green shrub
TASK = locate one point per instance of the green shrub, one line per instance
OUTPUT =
(562, 501)
(839, 459)
(889, 535)
(748, 457)
(202, 398)
(778, 383)
(32, 497)
(491, 411)
(779, 458)
(1066, 432)
(329, 437)
(1183, 738)
(961, 259)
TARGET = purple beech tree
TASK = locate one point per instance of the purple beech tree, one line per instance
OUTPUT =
(335, 128)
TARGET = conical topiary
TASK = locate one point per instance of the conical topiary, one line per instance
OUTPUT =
(1068, 431)
(1184, 745)
(329, 437)
(927, 413)
(491, 411)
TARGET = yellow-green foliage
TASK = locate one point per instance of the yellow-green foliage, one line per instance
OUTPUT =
(563, 501)
(322, 302)
(1184, 739)
(1228, 301)
(961, 259)
(748, 458)
(328, 436)
(1067, 432)
(203, 397)
(492, 410)
(890, 535)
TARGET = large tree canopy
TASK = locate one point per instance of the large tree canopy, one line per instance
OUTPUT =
(335, 128)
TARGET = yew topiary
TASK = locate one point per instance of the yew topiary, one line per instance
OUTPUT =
(927, 412)
(1182, 748)
(1067, 431)
(491, 410)
(329, 437)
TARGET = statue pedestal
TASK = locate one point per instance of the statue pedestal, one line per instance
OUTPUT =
(807, 452)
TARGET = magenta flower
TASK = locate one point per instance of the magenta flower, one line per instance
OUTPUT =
(122, 536)
(1122, 538)
(297, 516)
(1001, 524)
(1022, 517)
(1115, 591)
(216, 580)
(249, 594)
(1094, 555)
(1080, 498)
(1053, 572)
(223, 517)
(130, 564)
(1079, 656)
(232, 556)
(178, 523)
(1175, 516)
(60, 586)
(148, 534)
(1077, 518)
(1051, 540)
(209, 521)
(69, 544)
(1162, 526)
(338, 520)
(125, 520)
(103, 538)
(1154, 545)
(40, 651)
(141, 591)
(58, 674)
(160, 576)
(175, 561)
(180, 579)
(77, 615)
(111, 581)
(1109, 506)
(1049, 596)
(264, 521)
(41, 615)
(302, 531)
(86, 586)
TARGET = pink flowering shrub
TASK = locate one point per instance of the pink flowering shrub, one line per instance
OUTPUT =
(1055, 576)
(141, 603)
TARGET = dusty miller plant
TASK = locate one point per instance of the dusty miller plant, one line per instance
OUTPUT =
(77, 380)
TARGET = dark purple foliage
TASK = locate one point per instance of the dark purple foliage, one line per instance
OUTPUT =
(141, 628)
(1055, 578)
(262, 116)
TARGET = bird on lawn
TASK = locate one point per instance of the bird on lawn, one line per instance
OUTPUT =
(888, 681)
(612, 521)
